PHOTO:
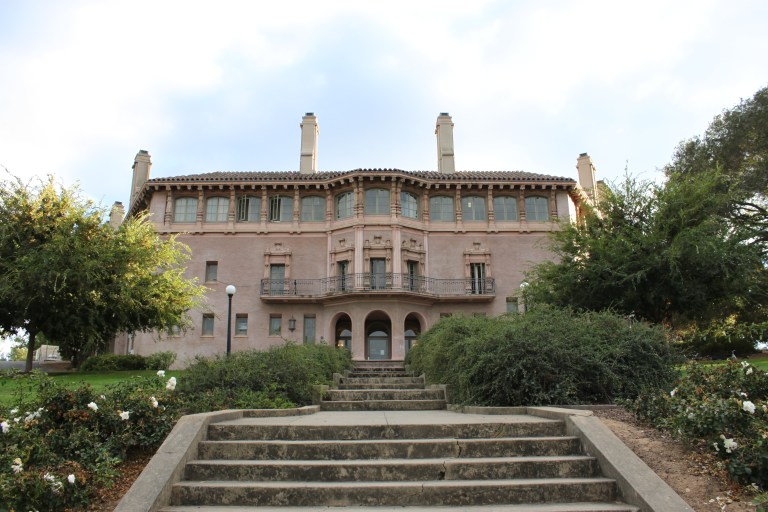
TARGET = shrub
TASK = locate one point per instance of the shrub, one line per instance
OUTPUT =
(544, 357)
(722, 407)
(113, 362)
(160, 360)
(280, 377)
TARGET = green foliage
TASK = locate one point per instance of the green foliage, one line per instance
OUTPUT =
(160, 360)
(66, 274)
(282, 376)
(546, 356)
(723, 408)
(113, 362)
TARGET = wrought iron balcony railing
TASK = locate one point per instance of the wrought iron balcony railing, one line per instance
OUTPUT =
(373, 283)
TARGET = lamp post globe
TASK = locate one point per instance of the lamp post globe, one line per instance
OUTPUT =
(230, 292)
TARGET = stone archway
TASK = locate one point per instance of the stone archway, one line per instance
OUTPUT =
(412, 327)
(343, 332)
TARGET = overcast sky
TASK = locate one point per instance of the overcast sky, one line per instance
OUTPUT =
(207, 86)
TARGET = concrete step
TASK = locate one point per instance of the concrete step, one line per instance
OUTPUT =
(432, 492)
(348, 395)
(394, 363)
(381, 385)
(389, 449)
(569, 466)
(253, 430)
(556, 507)
(384, 405)
(379, 374)
(375, 381)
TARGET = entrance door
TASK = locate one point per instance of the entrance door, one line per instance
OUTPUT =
(412, 269)
(342, 273)
(276, 279)
(478, 277)
(378, 273)
(378, 345)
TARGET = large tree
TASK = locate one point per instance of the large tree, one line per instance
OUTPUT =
(662, 253)
(67, 274)
(736, 143)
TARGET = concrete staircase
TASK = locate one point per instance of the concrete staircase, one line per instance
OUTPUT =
(381, 386)
(399, 458)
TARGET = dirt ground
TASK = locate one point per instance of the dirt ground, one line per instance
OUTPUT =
(692, 475)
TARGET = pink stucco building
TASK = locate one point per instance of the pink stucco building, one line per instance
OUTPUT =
(365, 259)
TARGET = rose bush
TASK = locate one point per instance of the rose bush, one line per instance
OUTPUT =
(723, 408)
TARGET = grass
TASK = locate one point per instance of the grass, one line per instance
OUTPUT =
(9, 387)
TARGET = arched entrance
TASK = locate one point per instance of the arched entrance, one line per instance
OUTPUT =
(378, 336)
(411, 330)
(343, 333)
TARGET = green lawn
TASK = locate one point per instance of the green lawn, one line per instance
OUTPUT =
(98, 380)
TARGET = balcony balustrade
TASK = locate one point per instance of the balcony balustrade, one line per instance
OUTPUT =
(378, 284)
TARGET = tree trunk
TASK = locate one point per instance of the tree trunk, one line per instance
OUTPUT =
(30, 351)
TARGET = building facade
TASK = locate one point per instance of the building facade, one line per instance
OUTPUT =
(365, 259)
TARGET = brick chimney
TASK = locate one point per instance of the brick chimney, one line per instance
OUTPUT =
(444, 132)
(141, 166)
(587, 179)
(309, 133)
(116, 215)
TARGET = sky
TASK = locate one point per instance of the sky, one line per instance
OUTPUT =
(222, 86)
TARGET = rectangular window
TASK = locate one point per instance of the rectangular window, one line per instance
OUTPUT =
(280, 209)
(536, 208)
(473, 208)
(344, 204)
(312, 209)
(207, 325)
(505, 208)
(512, 306)
(377, 201)
(441, 208)
(185, 209)
(216, 209)
(275, 325)
(309, 328)
(211, 271)
(241, 324)
(248, 209)
(409, 205)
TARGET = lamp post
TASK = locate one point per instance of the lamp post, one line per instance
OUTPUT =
(230, 292)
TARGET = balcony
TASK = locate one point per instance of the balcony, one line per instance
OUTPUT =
(378, 285)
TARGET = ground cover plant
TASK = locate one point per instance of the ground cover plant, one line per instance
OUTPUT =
(60, 443)
(719, 408)
(546, 356)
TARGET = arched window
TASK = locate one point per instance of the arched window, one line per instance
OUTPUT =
(377, 201)
(185, 209)
(216, 209)
(505, 208)
(280, 209)
(473, 208)
(409, 205)
(441, 208)
(248, 209)
(536, 208)
(344, 204)
(312, 208)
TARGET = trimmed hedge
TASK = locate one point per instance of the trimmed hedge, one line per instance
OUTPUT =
(280, 377)
(547, 356)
